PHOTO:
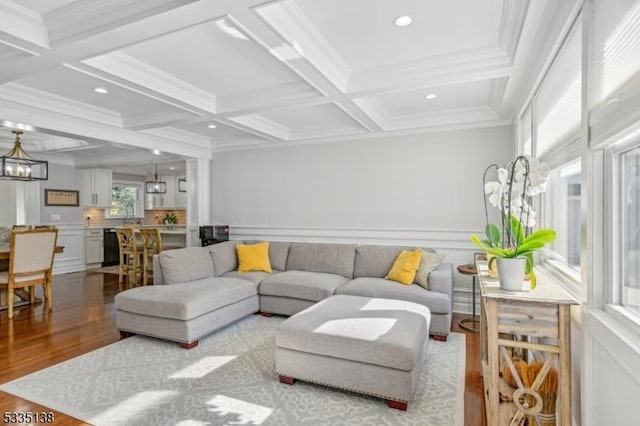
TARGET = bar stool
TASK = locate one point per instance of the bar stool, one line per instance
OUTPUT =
(130, 257)
(152, 242)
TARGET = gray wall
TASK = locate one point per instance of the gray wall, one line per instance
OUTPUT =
(7, 202)
(61, 176)
(420, 181)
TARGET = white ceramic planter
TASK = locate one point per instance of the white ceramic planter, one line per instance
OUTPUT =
(511, 273)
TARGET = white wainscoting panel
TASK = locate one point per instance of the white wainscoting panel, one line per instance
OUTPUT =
(72, 259)
(455, 244)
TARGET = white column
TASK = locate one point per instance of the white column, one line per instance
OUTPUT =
(198, 198)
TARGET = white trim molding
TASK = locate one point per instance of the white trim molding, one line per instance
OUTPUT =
(73, 258)
(455, 244)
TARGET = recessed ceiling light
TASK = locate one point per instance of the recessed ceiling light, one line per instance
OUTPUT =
(211, 126)
(431, 96)
(101, 90)
(157, 152)
(172, 168)
(403, 21)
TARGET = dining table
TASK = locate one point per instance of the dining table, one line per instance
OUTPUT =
(20, 293)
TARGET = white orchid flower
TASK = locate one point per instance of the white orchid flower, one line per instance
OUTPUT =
(496, 190)
(495, 193)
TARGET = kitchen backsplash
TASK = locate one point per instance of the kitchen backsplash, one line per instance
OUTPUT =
(151, 217)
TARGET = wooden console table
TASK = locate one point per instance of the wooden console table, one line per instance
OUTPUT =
(537, 322)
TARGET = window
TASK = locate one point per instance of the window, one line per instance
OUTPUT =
(630, 229)
(549, 127)
(125, 200)
(558, 100)
(562, 213)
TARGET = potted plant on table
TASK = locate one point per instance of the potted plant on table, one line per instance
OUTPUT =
(513, 242)
(170, 219)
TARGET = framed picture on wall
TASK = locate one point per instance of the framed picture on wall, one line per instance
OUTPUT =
(61, 197)
(182, 185)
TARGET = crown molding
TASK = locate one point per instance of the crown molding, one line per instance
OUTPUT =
(432, 119)
(25, 28)
(463, 66)
(84, 18)
(282, 95)
(29, 96)
(305, 40)
(326, 131)
(511, 24)
(180, 135)
(264, 125)
(144, 75)
(155, 119)
(496, 92)
(365, 136)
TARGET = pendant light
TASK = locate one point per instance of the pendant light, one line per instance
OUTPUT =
(18, 165)
(156, 186)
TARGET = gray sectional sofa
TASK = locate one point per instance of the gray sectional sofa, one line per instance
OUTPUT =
(303, 274)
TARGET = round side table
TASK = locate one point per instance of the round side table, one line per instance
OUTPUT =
(474, 319)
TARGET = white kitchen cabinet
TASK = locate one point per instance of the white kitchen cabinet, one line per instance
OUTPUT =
(96, 185)
(94, 246)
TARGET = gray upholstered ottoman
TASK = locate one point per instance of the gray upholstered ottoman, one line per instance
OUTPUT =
(366, 345)
(185, 312)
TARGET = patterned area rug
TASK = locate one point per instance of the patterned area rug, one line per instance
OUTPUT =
(229, 378)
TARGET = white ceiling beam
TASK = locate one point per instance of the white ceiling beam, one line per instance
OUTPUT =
(58, 123)
(85, 18)
(22, 28)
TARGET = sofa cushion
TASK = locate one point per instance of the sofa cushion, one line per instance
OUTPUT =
(429, 262)
(186, 264)
(224, 257)
(301, 285)
(319, 257)
(184, 301)
(253, 276)
(389, 333)
(405, 266)
(376, 260)
(438, 303)
(253, 257)
(278, 253)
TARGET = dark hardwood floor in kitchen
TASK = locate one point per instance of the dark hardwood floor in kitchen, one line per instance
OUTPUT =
(82, 320)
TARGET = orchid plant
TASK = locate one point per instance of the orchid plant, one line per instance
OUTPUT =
(522, 179)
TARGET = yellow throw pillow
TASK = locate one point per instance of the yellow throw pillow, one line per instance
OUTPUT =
(405, 267)
(253, 257)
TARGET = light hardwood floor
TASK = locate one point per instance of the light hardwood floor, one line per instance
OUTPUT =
(82, 320)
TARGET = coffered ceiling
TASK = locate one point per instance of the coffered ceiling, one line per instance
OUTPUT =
(263, 73)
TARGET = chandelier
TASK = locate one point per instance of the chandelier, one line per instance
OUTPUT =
(18, 165)
(156, 186)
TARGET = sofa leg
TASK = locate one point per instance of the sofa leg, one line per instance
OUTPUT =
(286, 380)
(189, 345)
(125, 334)
(266, 314)
(398, 405)
(439, 337)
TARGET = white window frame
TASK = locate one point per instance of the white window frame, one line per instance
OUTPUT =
(139, 207)
(613, 264)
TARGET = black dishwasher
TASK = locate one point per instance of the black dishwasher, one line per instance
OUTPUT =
(111, 249)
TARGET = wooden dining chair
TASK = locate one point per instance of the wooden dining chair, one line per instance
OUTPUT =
(30, 264)
(130, 257)
(152, 241)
